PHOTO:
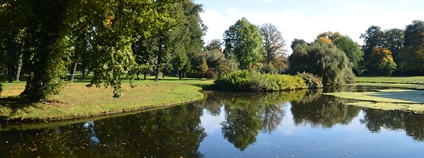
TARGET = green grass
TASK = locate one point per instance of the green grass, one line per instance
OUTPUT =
(392, 99)
(406, 93)
(392, 80)
(78, 101)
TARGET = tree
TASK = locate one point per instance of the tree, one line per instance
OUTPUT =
(372, 37)
(43, 60)
(324, 60)
(413, 51)
(329, 35)
(204, 67)
(350, 48)
(394, 40)
(375, 43)
(214, 44)
(273, 49)
(273, 42)
(244, 41)
(381, 62)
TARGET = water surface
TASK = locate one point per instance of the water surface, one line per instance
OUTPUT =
(224, 124)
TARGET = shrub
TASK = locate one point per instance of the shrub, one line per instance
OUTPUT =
(311, 80)
(245, 80)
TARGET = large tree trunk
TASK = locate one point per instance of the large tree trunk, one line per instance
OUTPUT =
(45, 63)
(145, 76)
(72, 72)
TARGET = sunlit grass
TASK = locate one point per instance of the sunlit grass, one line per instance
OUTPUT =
(76, 100)
(392, 80)
(392, 99)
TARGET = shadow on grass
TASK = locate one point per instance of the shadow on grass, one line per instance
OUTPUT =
(15, 104)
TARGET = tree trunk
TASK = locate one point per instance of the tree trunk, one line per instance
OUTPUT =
(19, 68)
(145, 75)
(72, 72)
(179, 74)
(83, 71)
(159, 59)
(10, 72)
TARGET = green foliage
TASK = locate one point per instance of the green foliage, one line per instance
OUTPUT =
(204, 67)
(311, 80)
(350, 48)
(324, 60)
(248, 80)
(244, 41)
(413, 51)
(380, 62)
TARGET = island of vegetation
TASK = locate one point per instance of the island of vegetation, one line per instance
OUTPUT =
(153, 52)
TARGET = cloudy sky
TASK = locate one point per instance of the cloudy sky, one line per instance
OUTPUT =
(305, 19)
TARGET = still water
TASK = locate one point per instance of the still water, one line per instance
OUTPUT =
(276, 125)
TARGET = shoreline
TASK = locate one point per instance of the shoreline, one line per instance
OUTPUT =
(78, 102)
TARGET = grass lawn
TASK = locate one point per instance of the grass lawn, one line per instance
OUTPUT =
(392, 80)
(78, 101)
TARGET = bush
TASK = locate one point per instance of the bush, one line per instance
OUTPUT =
(245, 80)
(311, 80)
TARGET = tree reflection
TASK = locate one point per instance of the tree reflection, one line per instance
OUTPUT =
(247, 114)
(322, 111)
(168, 132)
(272, 115)
(412, 123)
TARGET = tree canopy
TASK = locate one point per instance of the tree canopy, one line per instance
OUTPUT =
(324, 60)
(113, 37)
(244, 41)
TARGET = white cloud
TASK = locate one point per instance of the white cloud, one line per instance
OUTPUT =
(303, 25)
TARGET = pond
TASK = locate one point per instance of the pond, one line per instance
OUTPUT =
(225, 124)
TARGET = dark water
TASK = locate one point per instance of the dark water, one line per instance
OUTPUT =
(289, 124)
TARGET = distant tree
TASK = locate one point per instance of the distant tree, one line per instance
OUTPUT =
(413, 51)
(394, 40)
(381, 62)
(273, 48)
(244, 41)
(373, 37)
(214, 44)
(329, 35)
(324, 40)
(204, 67)
(273, 42)
(350, 48)
(324, 60)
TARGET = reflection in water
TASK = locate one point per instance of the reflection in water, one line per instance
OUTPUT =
(323, 112)
(248, 125)
(247, 114)
(412, 123)
(174, 131)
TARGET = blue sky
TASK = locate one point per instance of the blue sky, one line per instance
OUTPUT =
(305, 19)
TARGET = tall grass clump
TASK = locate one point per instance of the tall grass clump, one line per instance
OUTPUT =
(248, 80)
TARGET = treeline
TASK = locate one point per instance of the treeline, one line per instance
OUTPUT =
(384, 52)
(43, 39)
